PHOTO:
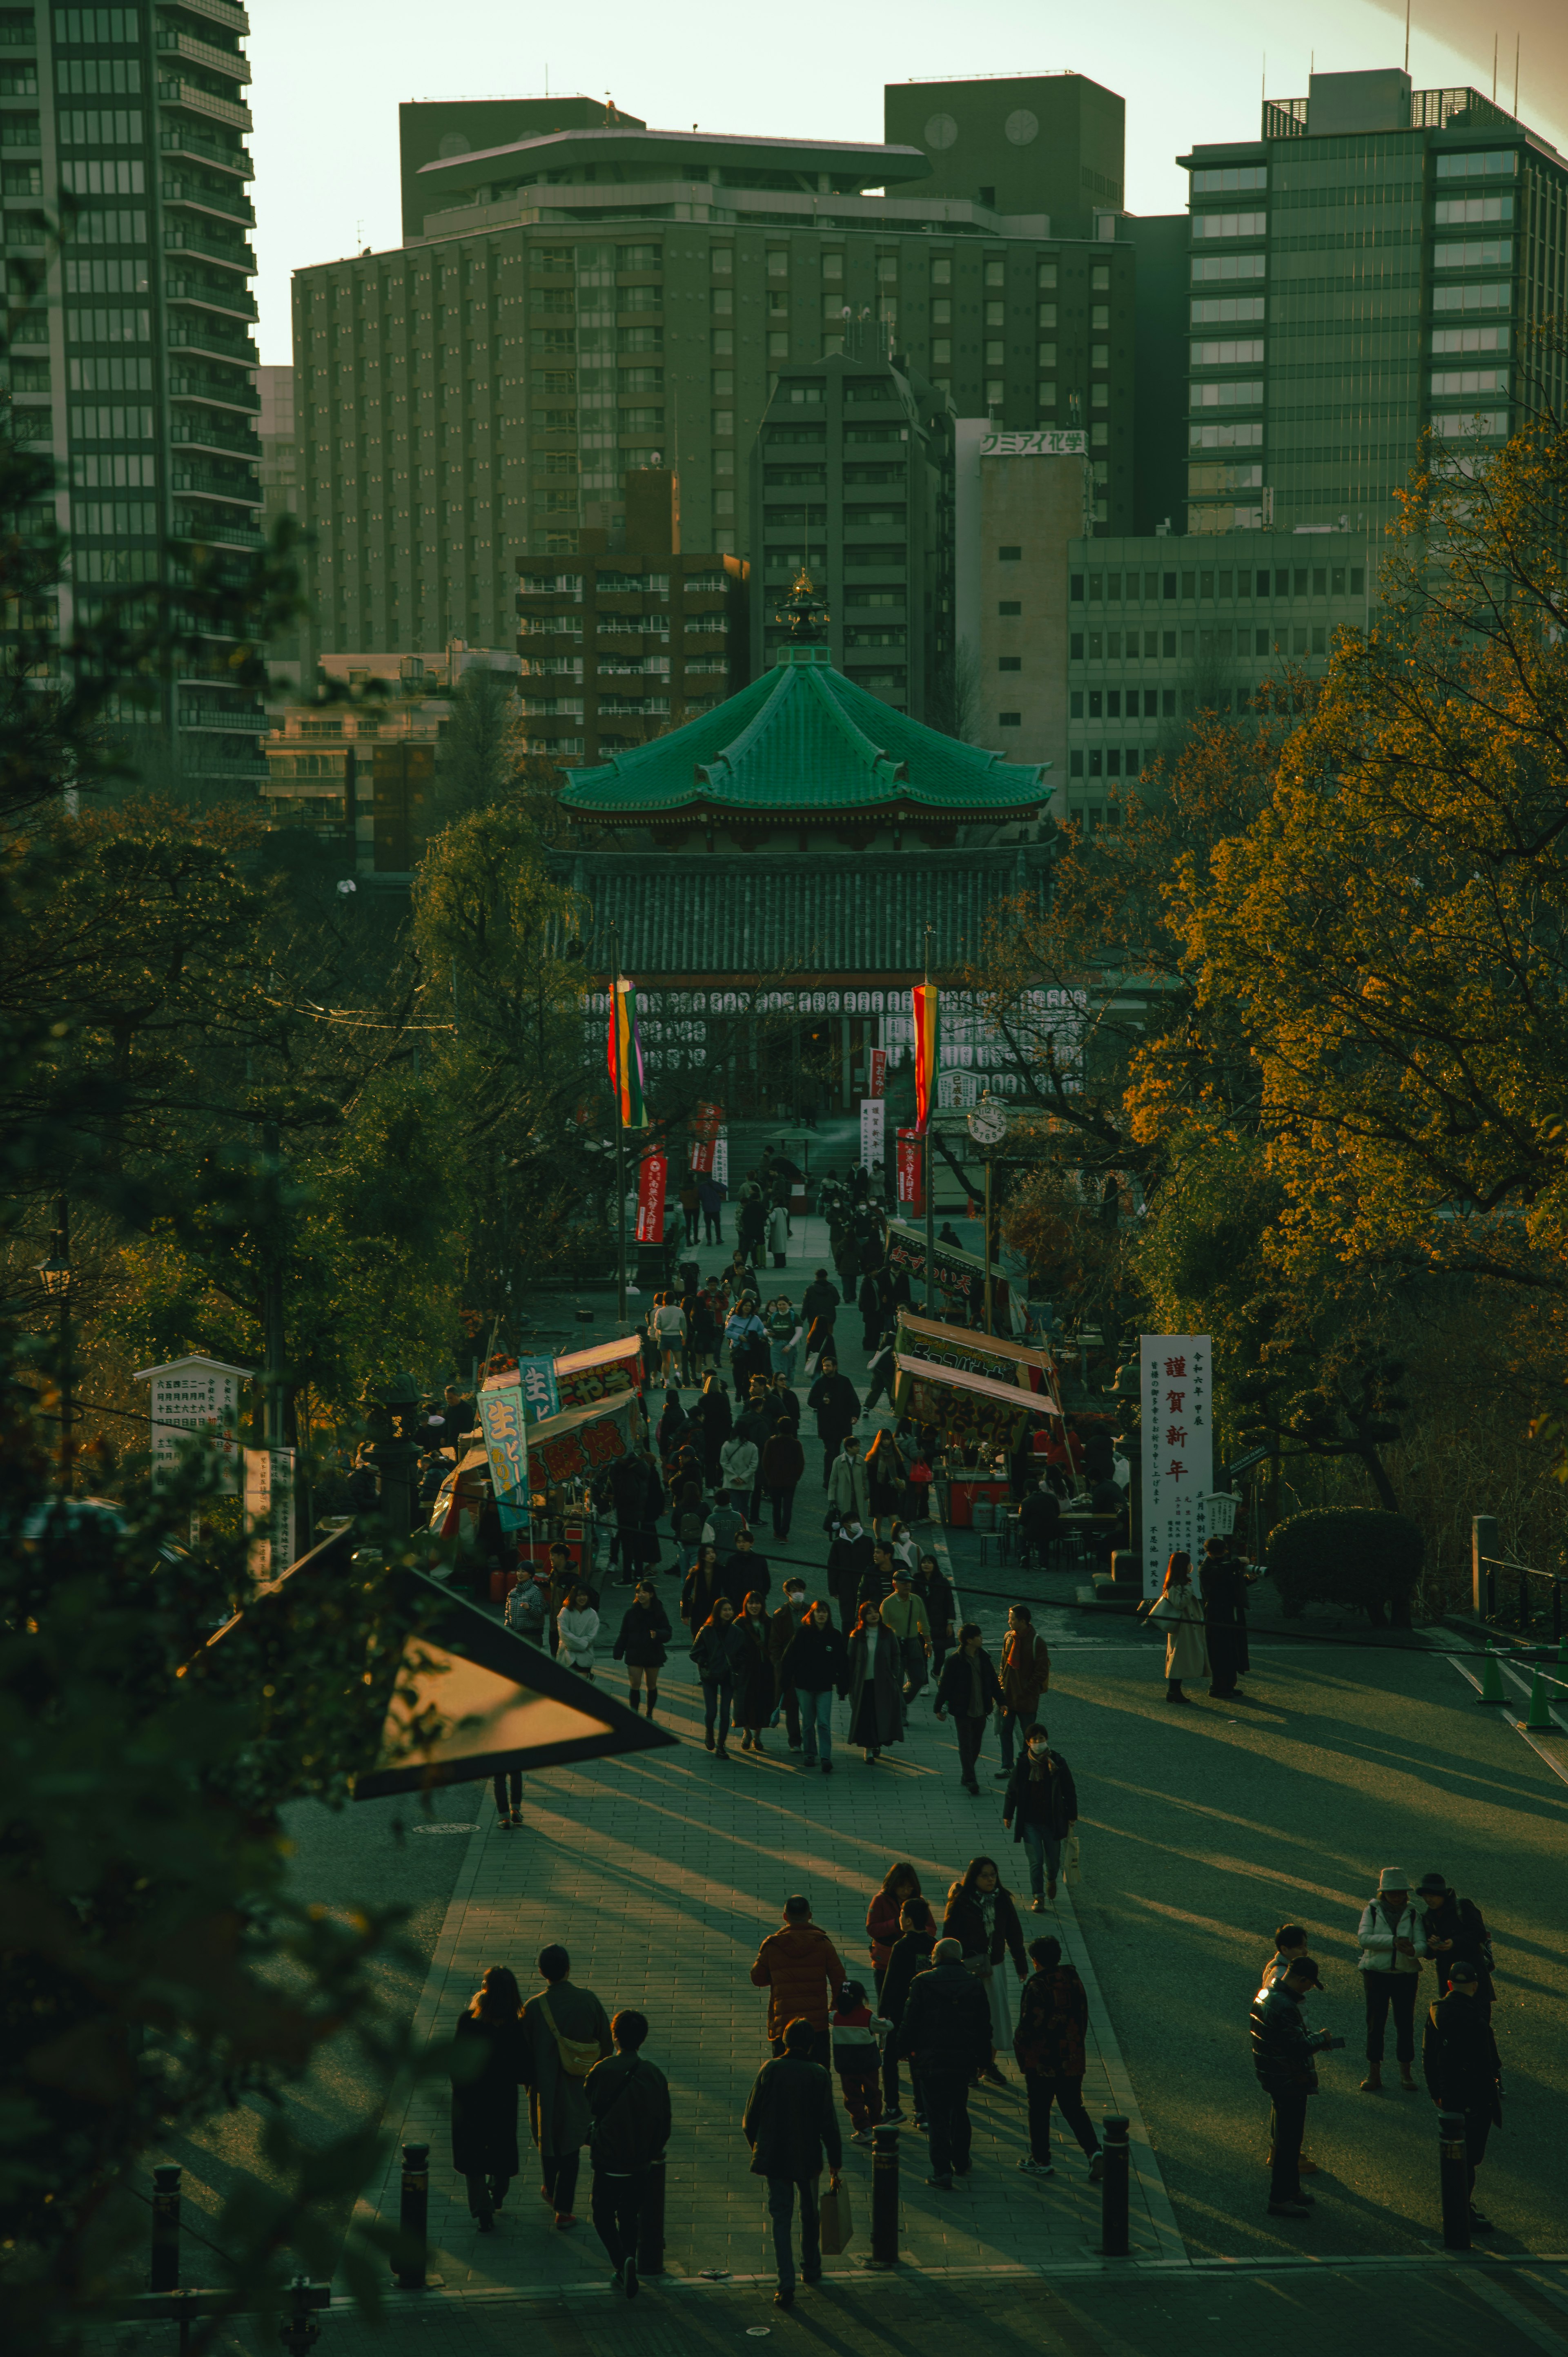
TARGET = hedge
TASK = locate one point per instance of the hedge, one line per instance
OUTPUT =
(1360, 1556)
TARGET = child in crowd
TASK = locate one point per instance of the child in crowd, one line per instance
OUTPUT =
(858, 2058)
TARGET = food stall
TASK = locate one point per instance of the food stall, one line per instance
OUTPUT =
(981, 1354)
(977, 1420)
(605, 1369)
(564, 1454)
(959, 1280)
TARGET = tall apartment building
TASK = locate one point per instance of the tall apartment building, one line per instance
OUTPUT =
(135, 367)
(572, 302)
(1159, 628)
(1376, 263)
(279, 480)
(852, 481)
(1022, 502)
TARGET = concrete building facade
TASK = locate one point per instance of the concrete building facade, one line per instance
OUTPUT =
(1022, 502)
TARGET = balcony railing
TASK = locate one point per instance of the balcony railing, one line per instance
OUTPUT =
(227, 13)
(199, 335)
(231, 297)
(186, 139)
(232, 64)
(188, 384)
(194, 236)
(201, 101)
(214, 526)
(208, 479)
(215, 433)
(234, 206)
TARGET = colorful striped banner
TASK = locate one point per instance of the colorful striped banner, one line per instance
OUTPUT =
(626, 1057)
(927, 1052)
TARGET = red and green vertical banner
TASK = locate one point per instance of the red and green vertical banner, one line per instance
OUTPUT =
(927, 1032)
(626, 1056)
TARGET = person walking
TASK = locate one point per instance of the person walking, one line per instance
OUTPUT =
(718, 1651)
(935, 1591)
(667, 1324)
(739, 1460)
(883, 1368)
(753, 1671)
(779, 1235)
(909, 1953)
(783, 1469)
(887, 1477)
(1040, 1807)
(944, 2032)
(691, 1195)
(1187, 1656)
(968, 1688)
(724, 1524)
(786, 1332)
(980, 1914)
(903, 1616)
(712, 1196)
(858, 2058)
(791, 2124)
(644, 1633)
(1392, 1940)
(1282, 2051)
(743, 1570)
(849, 1481)
(783, 1630)
(1025, 1674)
(1456, 1932)
(1039, 1520)
(576, 1627)
(703, 1588)
(566, 2031)
(837, 1404)
(875, 1685)
(800, 1968)
(486, 2065)
(820, 1306)
(850, 1557)
(1050, 2046)
(1463, 2071)
(629, 2106)
(876, 1585)
(712, 1412)
(1225, 1584)
(900, 1888)
(817, 1665)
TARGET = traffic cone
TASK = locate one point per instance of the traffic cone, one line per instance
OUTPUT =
(1539, 1721)
(1491, 1678)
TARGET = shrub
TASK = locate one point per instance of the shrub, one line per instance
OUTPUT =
(1356, 1555)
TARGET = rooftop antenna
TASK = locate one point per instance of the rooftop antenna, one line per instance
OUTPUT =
(1516, 41)
(1494, 70)
(1407, 36)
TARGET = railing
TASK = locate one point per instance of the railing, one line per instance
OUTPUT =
(1535, 1610)
(184, 139)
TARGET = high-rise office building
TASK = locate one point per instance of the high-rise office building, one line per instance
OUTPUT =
(135, 367)
(851, 481)
(1375, 265)
(1018, 144)
(1021, 503)
(576, 300)
(279, 480)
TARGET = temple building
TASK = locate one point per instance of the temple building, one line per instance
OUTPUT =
(800, 853)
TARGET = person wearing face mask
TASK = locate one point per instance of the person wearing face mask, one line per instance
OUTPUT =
(817, 1665)
(783, 1630)
(1041, 1808)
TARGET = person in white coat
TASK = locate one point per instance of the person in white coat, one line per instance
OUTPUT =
(738, 1462)
(1187, 1655)
(779, 1235)
(1392, 1940)
(849, 1483)
(576, 1627)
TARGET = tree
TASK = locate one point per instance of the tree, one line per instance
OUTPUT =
(479, 750)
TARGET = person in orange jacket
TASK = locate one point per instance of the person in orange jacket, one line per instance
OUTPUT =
(800, 1969)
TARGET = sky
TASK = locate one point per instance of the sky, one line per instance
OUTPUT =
(329, 80)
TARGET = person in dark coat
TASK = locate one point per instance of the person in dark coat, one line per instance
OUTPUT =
(910, 1953)
(1039, 1520)
(783, 1400)
(711, 1412)
(783, 1630)
(934, 1590)
(1049, 2047)
(703, 1588)
(783, 1467)
(672, 1425)
(870, 1305)
(790, 2123)
(753, 1672)
(561, 2025)
(817, 1666)
(644, 1633)
(875, 1685)
(837, 1404)
(968, 1687)
(980, 1915)
(1456, 1932)
(486, 2064)
(850, 1557)
(945, 2031)
(1224, 1585)
(628, 2100)
(887, 1475)
(1040, 1805)
(1460, 2063)
(718, 1652)
(743, 1570)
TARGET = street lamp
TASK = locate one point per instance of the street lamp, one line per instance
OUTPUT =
(54, 1276)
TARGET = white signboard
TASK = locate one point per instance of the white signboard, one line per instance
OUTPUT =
(1050, 442)
(721, 1157)
(873, 1116)
(269, 1509)
(192, 1398)
(1179, 1449)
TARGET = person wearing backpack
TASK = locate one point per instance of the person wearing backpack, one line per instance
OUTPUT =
(566, 2031)
(628, 2102)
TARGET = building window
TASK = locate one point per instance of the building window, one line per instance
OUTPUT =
(1167, 703)
(722, 261)
(1010, 606)
(777, 261)
(995, 392)
(778, 346)
(724, 339)
(1096, 704)
(1075, 647)
(941, 270)
(1100, 278)
(1096, 762)
(941, 311)
(995, 353)
(1075, 765)
(1046, 395)
(1047, 276)
(833, 265)
(1075, 701)
(723, 422)
(1099, 396)
(724, 300)
(723, 383)
(1010, 554)
(996, 272)
(1009, 719)
(941, 352)
(1010, 663)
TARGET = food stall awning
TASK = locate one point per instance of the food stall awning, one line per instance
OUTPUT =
(960, 1275)
(959, 1380)
(982, 1354)
(597, 1373)
(468, 1698)
(582, 1439)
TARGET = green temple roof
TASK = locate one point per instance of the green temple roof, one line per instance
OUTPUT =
(804, 740)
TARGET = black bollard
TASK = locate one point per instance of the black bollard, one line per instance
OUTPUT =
(299, 2328)
(650, 2224)
(884, 2197)
(1114, 2188)
(1454, 2177)
(165, 2272)
(414, 2214)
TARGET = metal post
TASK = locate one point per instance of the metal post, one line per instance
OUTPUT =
(414, 2215)
(1113, 2191)
(930, 1202)
(1524, 1603)
(884, 2197)
(300, 2328)
(621, 1135)
(164, 2273)
(650, 2224)
(1484, 1551)
(989, 1326)
(1454, 2175)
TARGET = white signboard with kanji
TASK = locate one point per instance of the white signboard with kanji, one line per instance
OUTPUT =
(1179, 1449)
(269, 1509)
(195, 1398)
(873, 1115)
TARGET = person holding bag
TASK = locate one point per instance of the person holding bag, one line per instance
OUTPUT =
(790, 2122)
(1392, 1936)
(904, 1614)
(1187, 1655)
(566, 2031)
(981, 1916)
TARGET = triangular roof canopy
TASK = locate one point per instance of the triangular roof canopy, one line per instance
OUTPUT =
(803, 741)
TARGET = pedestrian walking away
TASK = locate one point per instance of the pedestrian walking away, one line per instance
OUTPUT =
(1025, 1675)
(836, 1404)
(1282, 2051)
(703, 1587)
(1459, 2061)
(628, 2104)
(858, 2058)
(718, 1651)
(566, 2031)
(1041, 1808)
(791, 2126)
(711, 1193)
(884, 1918)
(783, 1469)
(1187, 1656)
(968, 1688)
(850, 1557)
(1226, 1581)
(1392, 1940)
(712, 1411)
(487, 2067)
(910, 1953)
(745, 1573)
(1456, 1933)
(982, 1917)
(1051, 2047)
(887, 1477)
(817, 1665)
(849, 1482)
(800, 1968)
(644, 1633)
(944, 2032)
(875, 1685)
